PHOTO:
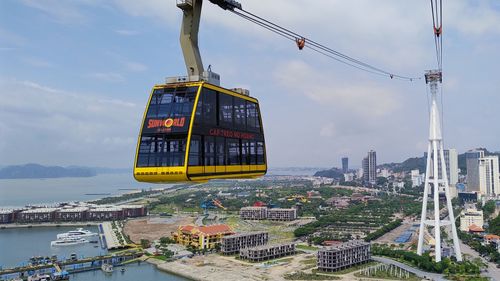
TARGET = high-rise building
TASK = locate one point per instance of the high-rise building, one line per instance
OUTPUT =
(370, 167)
(472, 162)
(489, 183)
(345, 164)
(451, 161)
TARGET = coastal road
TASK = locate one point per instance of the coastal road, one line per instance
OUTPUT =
(418, 272)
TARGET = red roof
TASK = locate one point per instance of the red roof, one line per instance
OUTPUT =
(216, 228)
(331, 242)
(491, 237)
(209, 229)
(259, 204)
(475, 228)
(186, 228)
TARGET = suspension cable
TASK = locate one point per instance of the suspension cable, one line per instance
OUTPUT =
(311, 44)
(437, 25)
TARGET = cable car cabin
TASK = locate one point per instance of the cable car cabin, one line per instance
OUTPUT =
(197, 132)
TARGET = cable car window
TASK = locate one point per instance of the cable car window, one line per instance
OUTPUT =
(251, 116)
(260, 153)
(159, 151)
(209, 151)
(253, 153)
(233, 149)
(225, 110)
(172, 113)
(209, 107)
(195, 151)
(245, 152)
(198, 119)
(239, 114)
(220, 151)
(152, 111)
(257, 119)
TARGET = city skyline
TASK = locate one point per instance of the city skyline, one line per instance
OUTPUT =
(80, 80)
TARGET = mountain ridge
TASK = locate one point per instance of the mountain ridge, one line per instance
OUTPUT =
(37, 171)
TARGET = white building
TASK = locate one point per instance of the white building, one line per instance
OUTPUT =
(416, 178)
(489, 182)
(451, 161)
(452, 167)
(471, 217)
(349, 177)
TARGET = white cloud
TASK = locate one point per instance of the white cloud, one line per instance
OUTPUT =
(472, 17)
(159, 10)
(37, 62)
(135, 66)
(59, 11)
(126, 32)
(9, 40)
(55, 126)
(107, 76)
(328, 130)
(364, 99)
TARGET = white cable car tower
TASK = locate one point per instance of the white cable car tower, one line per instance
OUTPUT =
(436, 179)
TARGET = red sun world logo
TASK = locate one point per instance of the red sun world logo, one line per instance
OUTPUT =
(169, 122)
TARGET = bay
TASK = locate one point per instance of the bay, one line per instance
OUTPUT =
(21, 192)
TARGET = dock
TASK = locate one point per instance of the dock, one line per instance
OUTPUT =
(70, 266)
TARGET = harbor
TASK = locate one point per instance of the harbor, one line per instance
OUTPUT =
(76, 262)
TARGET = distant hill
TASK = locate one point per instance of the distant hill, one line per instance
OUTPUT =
(334, 173)
(36, 171)
(406, 166)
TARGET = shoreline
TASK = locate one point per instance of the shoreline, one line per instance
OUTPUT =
(161, 266)
(15, 225)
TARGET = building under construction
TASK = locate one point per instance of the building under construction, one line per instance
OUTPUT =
(233, 243)
(253, 213)
(279, 214)
(267, 252)
(344, 255)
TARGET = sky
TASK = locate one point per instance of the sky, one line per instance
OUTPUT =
(75, 76)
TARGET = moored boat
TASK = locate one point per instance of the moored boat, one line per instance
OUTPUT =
(78, 233)
(68, 241)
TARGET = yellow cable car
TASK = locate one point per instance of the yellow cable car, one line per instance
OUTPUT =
(196, 131)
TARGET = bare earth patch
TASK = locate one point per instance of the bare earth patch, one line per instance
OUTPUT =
(154, 228)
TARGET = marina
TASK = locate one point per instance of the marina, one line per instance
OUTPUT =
(42, 252)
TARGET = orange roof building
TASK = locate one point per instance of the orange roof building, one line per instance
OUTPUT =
(201, 237)
(491, 238)
(475, 229)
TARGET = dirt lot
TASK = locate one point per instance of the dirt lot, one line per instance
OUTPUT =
(215, 268)
(154, 227)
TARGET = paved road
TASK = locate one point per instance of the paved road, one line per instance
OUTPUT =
(493, 271)
(418, 272)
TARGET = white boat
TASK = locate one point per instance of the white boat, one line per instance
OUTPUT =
(107, 268)
(78, 233)
(68, 241)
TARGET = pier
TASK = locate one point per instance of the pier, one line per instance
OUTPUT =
(70, 266)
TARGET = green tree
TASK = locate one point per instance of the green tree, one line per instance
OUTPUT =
(489, 208)
(145, 243)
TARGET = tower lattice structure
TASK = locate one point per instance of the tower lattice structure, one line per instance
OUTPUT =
(436, 182)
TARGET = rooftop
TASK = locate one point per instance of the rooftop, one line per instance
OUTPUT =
(269, 246)
(209, 229)
(245, 234)
(346, 245)
(39, 210)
